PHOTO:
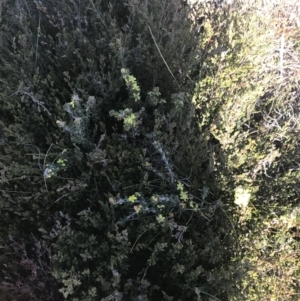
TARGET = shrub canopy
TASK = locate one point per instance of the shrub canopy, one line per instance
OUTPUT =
(149, 150)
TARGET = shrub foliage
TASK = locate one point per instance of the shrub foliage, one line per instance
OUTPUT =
(149, 150)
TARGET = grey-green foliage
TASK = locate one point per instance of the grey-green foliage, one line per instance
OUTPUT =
(100, 148)
(250, 111)
(64, 68)
(80, 116)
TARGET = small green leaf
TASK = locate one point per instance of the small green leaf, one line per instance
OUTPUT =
(132, 198)
(160, 218)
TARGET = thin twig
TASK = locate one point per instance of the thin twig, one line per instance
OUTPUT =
(28, 144)
(163, 57)
(62, 197)
(14, 191)
(202, 292)
(36, 101)
(281, 55)
(37, 42)
(28, 9)
(145, 273)
(138, 239)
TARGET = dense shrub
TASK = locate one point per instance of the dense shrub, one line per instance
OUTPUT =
(145, 148)
(27, 274)
(248, 102)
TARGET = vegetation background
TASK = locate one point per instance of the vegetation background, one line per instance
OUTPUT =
(149, 150)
